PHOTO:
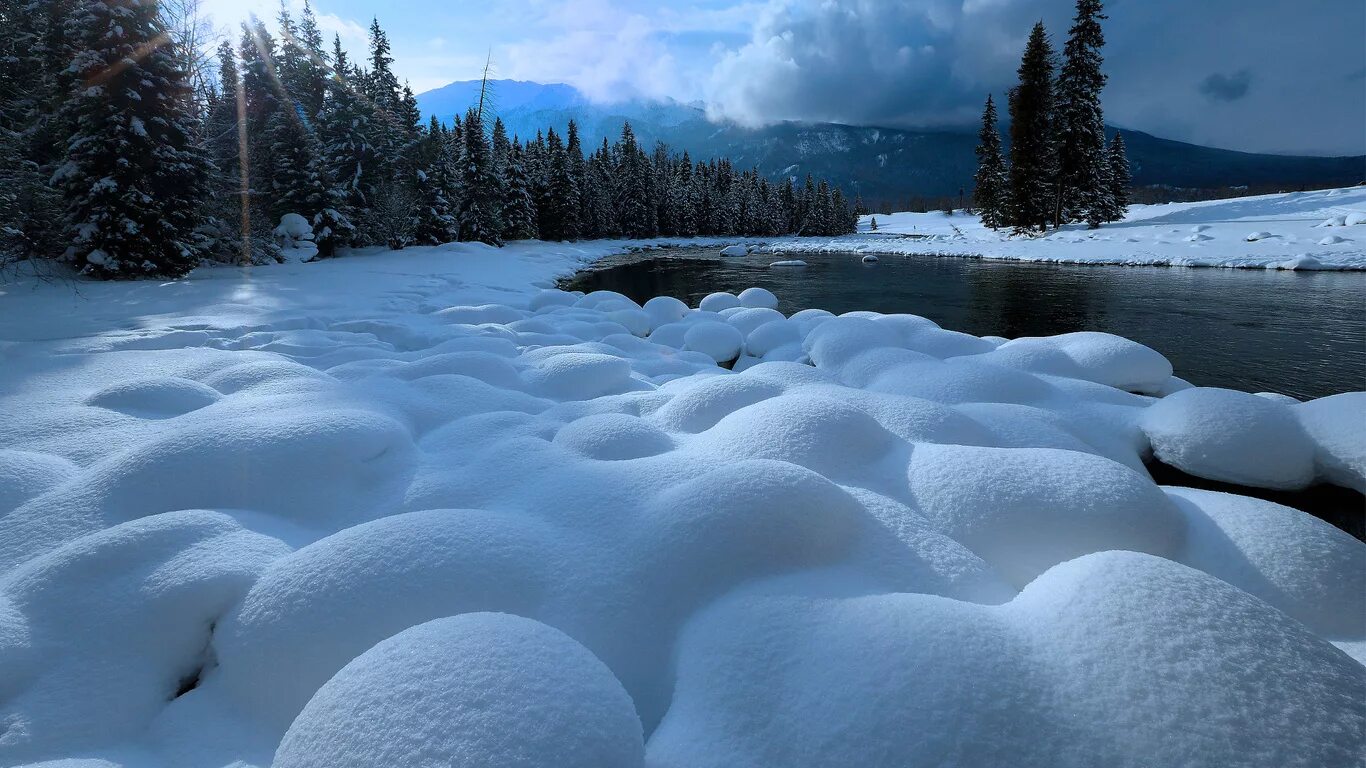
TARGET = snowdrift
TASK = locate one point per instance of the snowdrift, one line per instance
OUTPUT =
(407, 511)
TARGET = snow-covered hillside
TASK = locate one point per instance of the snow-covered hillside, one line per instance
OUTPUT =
(419, 508)
(1297, 230)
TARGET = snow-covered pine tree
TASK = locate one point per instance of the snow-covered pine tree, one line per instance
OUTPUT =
(806, 208)
(32, 53)
(261, 103)
(1033, 149)
(825, 212)
(478, 211)
(990, 193)
(436, 188)
(519, 210)
(1118, 180)
(134, 174)
(843, 220)
(631, 184)
(1080, 123)
(787, 204)
(573, 202)
(683, 198)
(600, 186)
(349, 157)
(310, 88)
(872, 224)
(549, 211)
(388, 133)
(562, 194)
(299, 182)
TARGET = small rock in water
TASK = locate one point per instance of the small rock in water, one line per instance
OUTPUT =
(788, 263)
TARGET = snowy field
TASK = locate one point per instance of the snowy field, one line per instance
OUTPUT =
(419, 509)
(1296, 230)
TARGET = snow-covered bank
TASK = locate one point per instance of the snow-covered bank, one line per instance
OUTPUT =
(270, 516)
(1297, 230)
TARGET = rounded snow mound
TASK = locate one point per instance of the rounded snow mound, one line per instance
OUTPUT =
(719, 341)
(1090, 665)
(1236, 437)
(312, 612)
(1335, 425)
(715, 302)
(758, 297)
(1100, 357)
(480, 690)
(1024, 510)
(155, 398)
(613, 437)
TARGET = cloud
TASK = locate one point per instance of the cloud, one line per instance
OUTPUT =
(917, 63)
(1221, 87)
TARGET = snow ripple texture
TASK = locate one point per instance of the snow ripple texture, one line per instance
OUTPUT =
(568, 530)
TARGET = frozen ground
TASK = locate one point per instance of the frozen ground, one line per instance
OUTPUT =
(409, 510)
(1297, 230)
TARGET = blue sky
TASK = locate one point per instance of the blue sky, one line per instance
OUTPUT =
(1257, 75)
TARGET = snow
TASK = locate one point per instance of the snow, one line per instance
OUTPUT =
(1226, 435)
(1250, 232)
(735, 250)
(476, 690)
(420, 507)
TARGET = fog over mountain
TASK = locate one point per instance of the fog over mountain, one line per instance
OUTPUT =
(878, 162)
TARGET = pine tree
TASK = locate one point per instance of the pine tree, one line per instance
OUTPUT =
(518, 211)
(1080, 122)
(1117, 179)
(872, 224)
(631, 183)
(436, 189)
(134, 175)
(478, 211)
(310, 88)
(1033, 151)
(261, 102)
(990, 193)
(349, 156)
(575, 172)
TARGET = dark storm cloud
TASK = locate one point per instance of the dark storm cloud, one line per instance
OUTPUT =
(932, 62)
(1221, 87)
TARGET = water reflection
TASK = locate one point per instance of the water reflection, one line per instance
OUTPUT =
(1302, 334)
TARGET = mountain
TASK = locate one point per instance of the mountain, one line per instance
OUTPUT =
(879, 163)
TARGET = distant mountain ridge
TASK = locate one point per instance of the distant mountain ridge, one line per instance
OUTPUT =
(879, 163)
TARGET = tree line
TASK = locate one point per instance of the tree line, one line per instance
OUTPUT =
(121, 157)
(1060, 168)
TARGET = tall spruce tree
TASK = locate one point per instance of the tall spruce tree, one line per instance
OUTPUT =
(990, 192)
(1117, 179)
(134, 174)
(1033, 148)
(478, 212)
(1080, 122)
(436, 188)
(518, 211)
(349, 156)
(576, 172)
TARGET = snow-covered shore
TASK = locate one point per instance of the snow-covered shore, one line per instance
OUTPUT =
(421, 506)
(1297, 230)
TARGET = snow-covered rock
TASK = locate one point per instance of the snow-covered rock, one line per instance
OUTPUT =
(715, 302)
(719, 341)
(1221, 434)
(759, 298)
(735, 250)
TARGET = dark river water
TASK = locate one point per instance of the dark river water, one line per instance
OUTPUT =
(1298, 333)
